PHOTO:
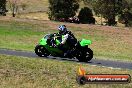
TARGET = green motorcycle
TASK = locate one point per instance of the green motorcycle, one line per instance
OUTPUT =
(49, 45)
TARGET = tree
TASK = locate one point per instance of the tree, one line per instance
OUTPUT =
(125, 16)
(62, 9)
(89, 3)
(3, 7)
(13, 6)
(109, 9)
(86, 16)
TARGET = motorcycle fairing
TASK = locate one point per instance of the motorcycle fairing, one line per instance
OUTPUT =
(85, 42)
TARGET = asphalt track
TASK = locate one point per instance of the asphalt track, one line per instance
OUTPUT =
(94, 62)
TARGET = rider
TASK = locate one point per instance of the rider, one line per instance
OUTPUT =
(67, 36)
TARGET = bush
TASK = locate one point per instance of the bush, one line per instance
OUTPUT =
(126, 18)
(3, 7)
(86, 16)
(62, 9)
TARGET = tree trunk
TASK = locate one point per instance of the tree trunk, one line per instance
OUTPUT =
(101, 20)
(13, 15)
(13, 12)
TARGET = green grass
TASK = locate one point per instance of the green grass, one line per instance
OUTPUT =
(20, 72)
(107, 43)
(20, 36)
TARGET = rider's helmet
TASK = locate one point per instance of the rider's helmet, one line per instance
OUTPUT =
(62, 29)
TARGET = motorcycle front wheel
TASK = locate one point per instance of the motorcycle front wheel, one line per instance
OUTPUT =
(41, 51)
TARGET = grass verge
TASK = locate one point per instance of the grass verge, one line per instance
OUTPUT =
(21, 72)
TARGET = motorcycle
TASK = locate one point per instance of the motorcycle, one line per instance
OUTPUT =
(49, 45)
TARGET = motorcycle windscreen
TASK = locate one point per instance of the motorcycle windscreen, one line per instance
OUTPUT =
(85, 42)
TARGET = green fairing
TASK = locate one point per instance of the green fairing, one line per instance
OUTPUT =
(57, 42)
(43, 41)
(52, 50)
(85, 42)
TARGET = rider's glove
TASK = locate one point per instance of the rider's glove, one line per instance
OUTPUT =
(55, 34)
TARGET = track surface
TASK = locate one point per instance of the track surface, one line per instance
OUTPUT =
(107, 63)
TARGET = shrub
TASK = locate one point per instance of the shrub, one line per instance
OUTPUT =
(62, 9)
(86, 16)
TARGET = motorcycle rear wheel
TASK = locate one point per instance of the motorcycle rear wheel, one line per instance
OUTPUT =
(85, 56)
